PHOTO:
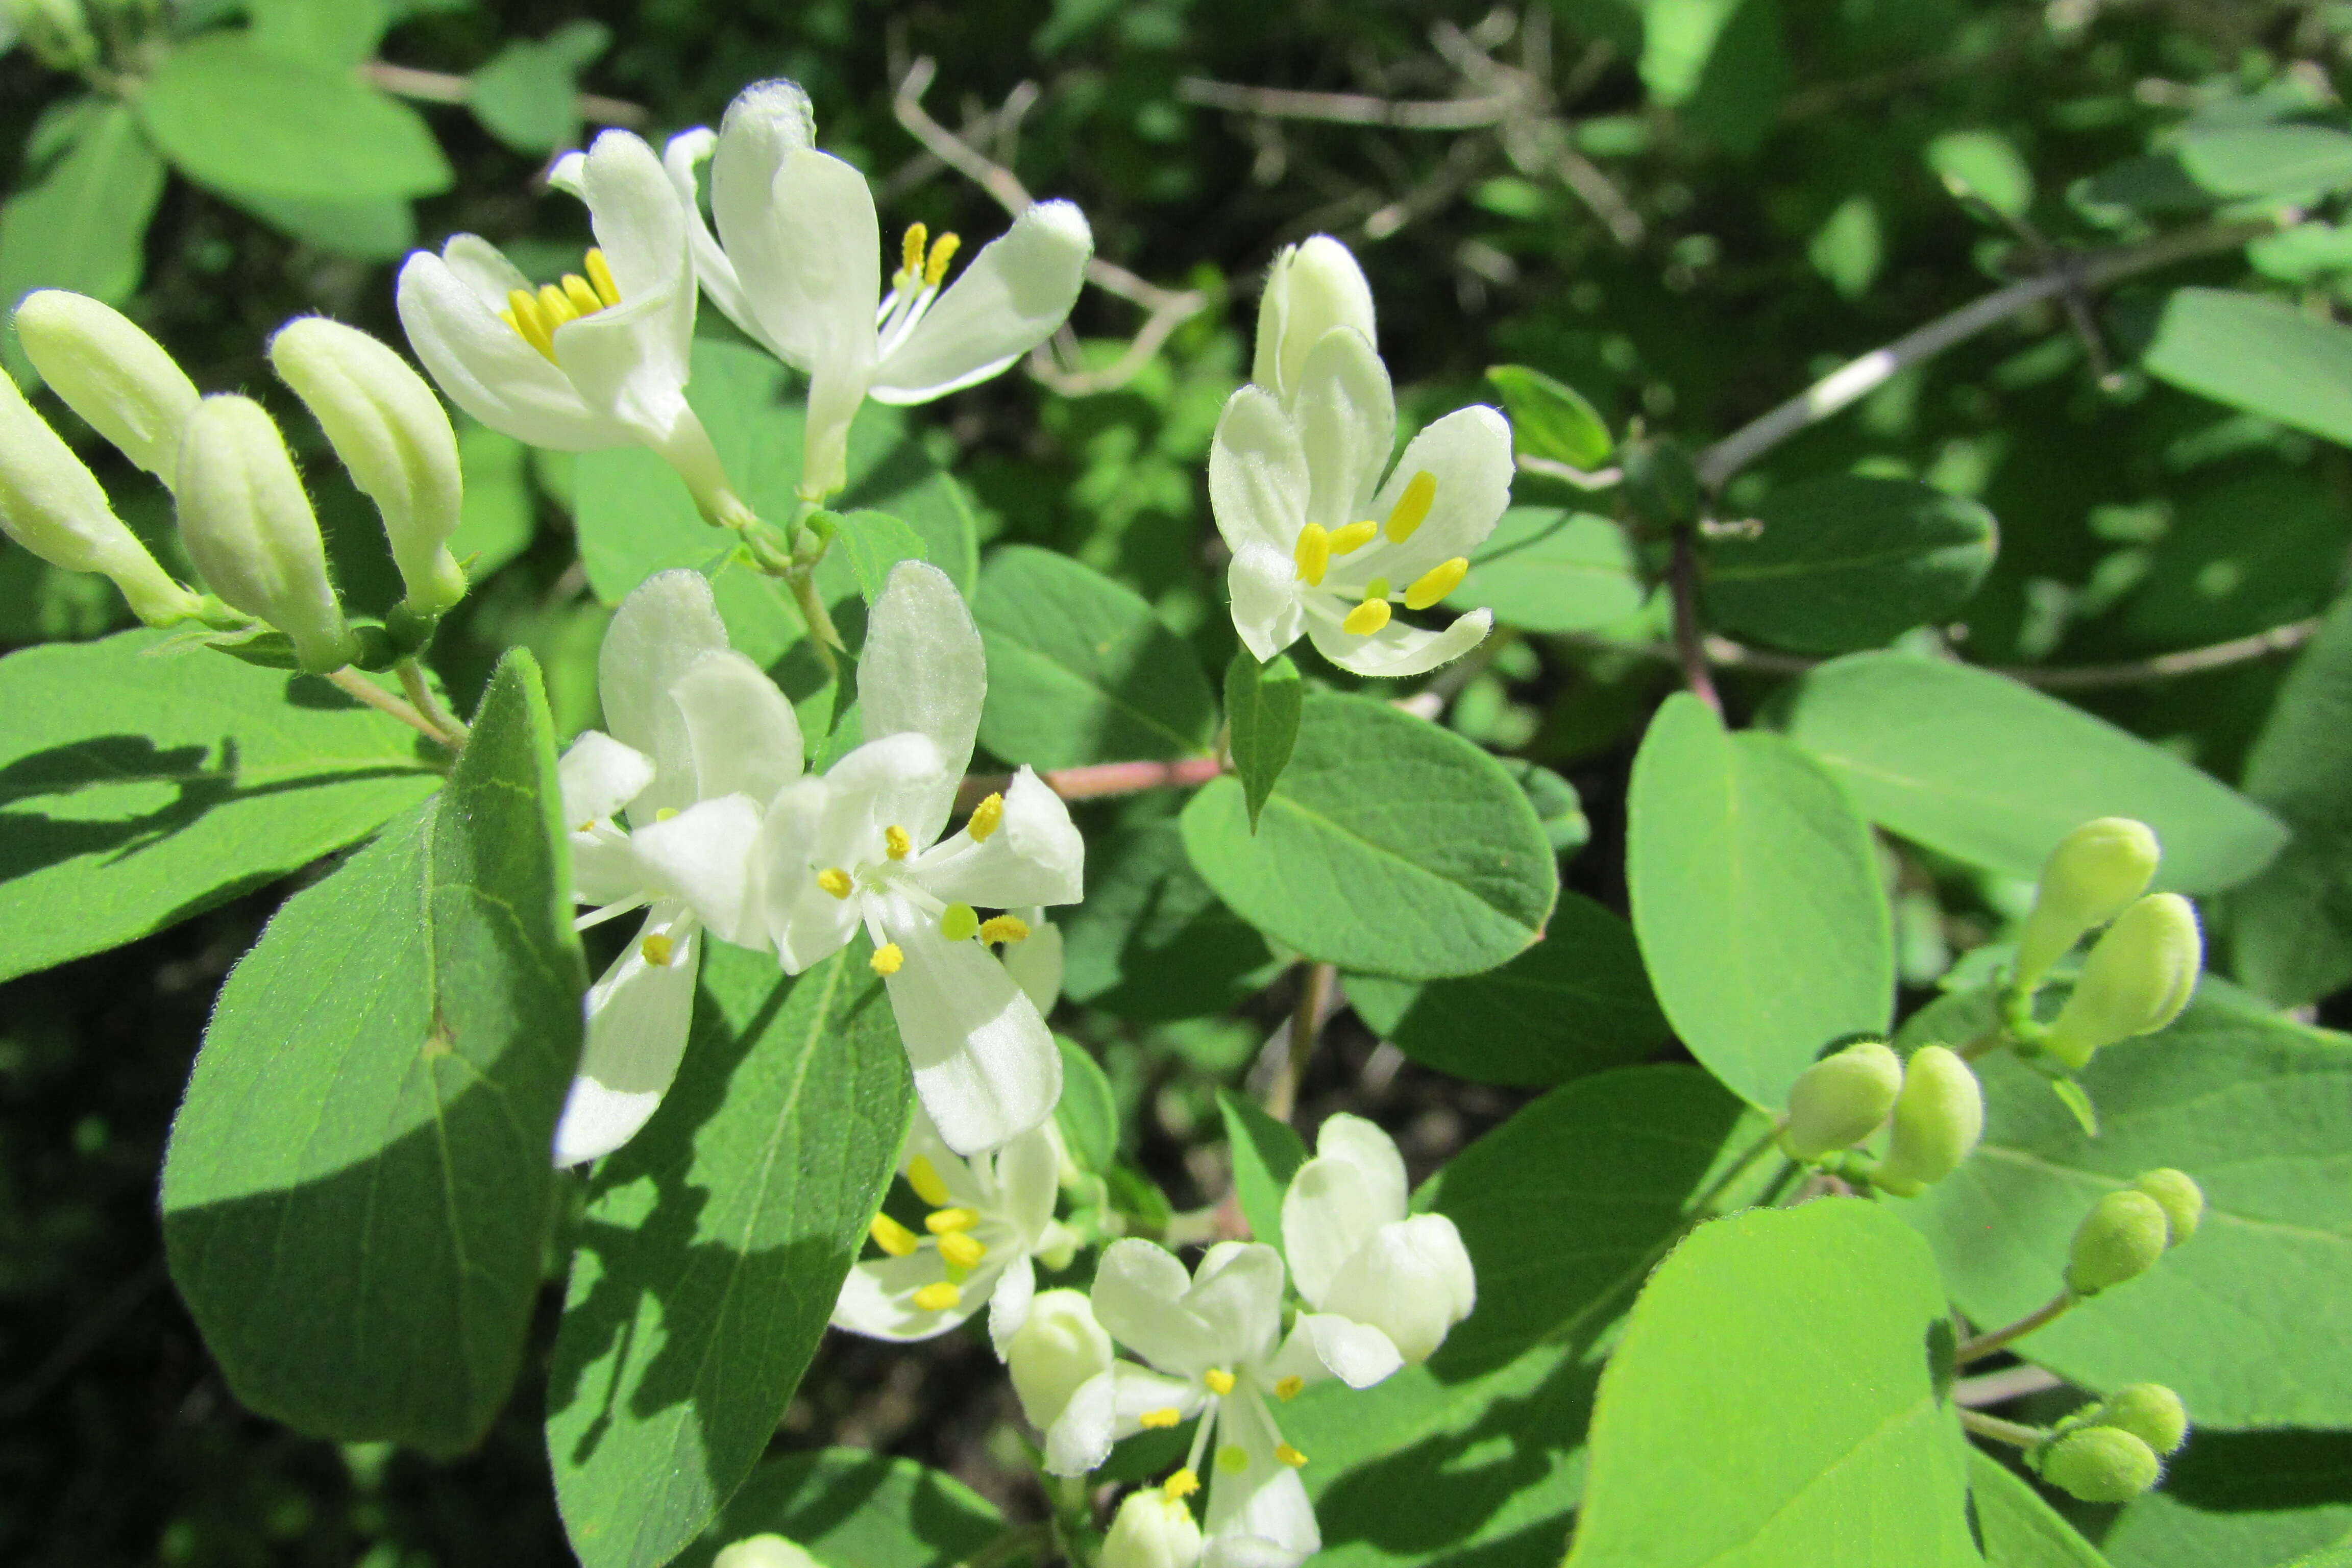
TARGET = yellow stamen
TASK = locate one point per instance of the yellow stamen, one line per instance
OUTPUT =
(961, 1250)
(558, 306)
(1167, 1415)
(1181, 1485)
(888, 959)
(959, 923)
(895, 840)
(943, 251)
(1312, 554)
(1232, 1459)
(664, 813)
(939, 1297)
(910, 251)
(1366, 618)
(1411, 509)
(1355, 536)
(985, 819)
(1219, 1380)
(1436, 583)
(585, 826)
(940, 1222)
(924, 1177)
(522, 313)
(1005, 928)
(1289, 1388)
(583, 296)
(600, 276)
(1289, 1455)
(656, 950)
(891, 1236)
(835, 880)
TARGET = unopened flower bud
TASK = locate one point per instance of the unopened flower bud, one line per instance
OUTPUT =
(111, 372)
(251, 530)
(2120, 1239)
(52, 505)
(2090, 879)
(1938, 1117)
(764, 1551)
(1058, 1348)
(1838, 1102)
(2150, 1412)
(1151, 1529)
(394, 436)
(2137, 979)
(2100, 1464)
(2179, 1195)
(1313, 286)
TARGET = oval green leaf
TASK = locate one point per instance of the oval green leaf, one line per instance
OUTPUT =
(2259, 354)
(1549, 570)
(2291, 928)
(1550, 419)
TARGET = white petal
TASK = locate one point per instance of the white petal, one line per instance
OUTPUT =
(882, 784)
(682, 155)
(1260, 1517)
(1015, 292)
(1412, 1281)
(985, 1064)
(1346, 417)
(1258, 485)
(1058, 1350)
(640, 222)
(1359, 1354)
(667, 623)
(1397, 650)
(1140, 1296)
(801, 229)
(1237, 1293)
(878, 1297)
(743, 734)
(1269, 611)
(705, 856)
(1109, 1406)
(484, 270)
(638, 1017)
(964, 1186)
(1339, 1200)
(1008, 1304)
(1028, 1179)
(923, 671)
(1035, 965)
(631, 359)
(486, 367)
(1036, 855)
(604, 869)
(1312, 286)
(598, 776)
(1468, 453)
(806, 922)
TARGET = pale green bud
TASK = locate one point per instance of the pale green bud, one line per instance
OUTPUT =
(2119, 1240)
(764, 1551)
(1938, 1117)
(1151, 1529)
(1313, 286)
(2100, 1464)
(1840, 1100)
(2150, 1412)
(2179, 1195)
(111, 372)
(1059, 1347)
(251, 531)
(52, 505)
(2138, 979)
(2090, 879)
(394, 436)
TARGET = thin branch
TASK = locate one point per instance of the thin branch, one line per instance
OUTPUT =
(1100, 779)
(1984, 1344)
(442, 87)
(1317, 985)
(1348, 108)
(1690, 651)
(1583, 479)
(2000, 1387)
(352, 683)
(420, 694)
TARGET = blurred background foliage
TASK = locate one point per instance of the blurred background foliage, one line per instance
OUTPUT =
(1686, 209)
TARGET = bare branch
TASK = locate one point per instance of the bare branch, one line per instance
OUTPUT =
(1348, 108)
(442, 87)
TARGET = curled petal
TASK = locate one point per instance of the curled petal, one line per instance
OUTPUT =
(1008, 1303)
(1140, 1296)
(1237, 1293)
(705, 856)
(1011, 299)
(486, 367)
(598, 776)
(1358, 1354)
(1111, 1406)
(1035, 856)
(1397, 650)
(744, 735)
(1414, 1281)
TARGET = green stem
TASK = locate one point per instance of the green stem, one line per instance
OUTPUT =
(352, 683)
(1993, 1427)
(1985, 1344)
(420, 692)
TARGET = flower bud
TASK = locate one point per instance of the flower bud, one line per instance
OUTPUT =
(112, 373)
(2179, 1195)
(764, 1551)
(394, 436)
(2120, 1239)
(1838, 1102)
(1151, 1529)
(251, 530)
(2100, 1464)
(2090, 879)
(51, 504)
(1938, 1117)
(2150, 1412)
(1058, 1348)
(2137, 979)
(1313, 288)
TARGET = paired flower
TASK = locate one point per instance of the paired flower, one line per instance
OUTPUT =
(796, 264)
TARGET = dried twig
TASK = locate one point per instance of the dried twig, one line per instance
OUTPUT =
(442, 87)
(1347, 108)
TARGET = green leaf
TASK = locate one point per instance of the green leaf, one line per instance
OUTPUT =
(1081, 670)
(358, 1186)
(334, 35)
(874, 541)
(1265, 1154)
(1576, 1003)
(2290, 927)
(1844, 562)
(2019, 1530)
(1388, 844)
(1557, 806)
(141, 787)
(1546, 570)
(1152, 941)
(714, 1246)
(233, 115)
(857, 1508)
(1977, 766)
(2259, 354)
(2246, 1320)
(383, 229)
(1986, 165)
(1262, 722)
(1550, 419)
(2231, 1499)
(1757, 898)
(80, 221)
(499, 517)
(1087, 1111)
(528, 95)
(1781, 1396)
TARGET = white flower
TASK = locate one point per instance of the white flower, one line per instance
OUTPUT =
(700, 741)
(1385, 1288)
(1152, 1530)
(1313, 286)
(595, 361)
(769, 1550)
(1055, 1352)
(1321, 544)
(800, 271)
(988, 1217)
(1213, 1342)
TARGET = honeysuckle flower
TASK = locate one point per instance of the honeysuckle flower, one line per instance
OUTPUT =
(1385, 1288)
(1313, 286)
(1322, 544)
(104, 368)
(862, 845)
(665, 809)
(1213, 1340)
(989, 1217)
(1054, 1352)
(1151, 1529)
(599, 360)
(797, 265)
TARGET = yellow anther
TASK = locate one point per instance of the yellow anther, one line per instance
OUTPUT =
(656, 950)
(939, 1297)
(940, 1222)
(910, 251)
(582, 296)
(1219, 1380)
(1312, 554)
(985, 819)
(522, 313)
(664, 813)
(891, 1236)
(1411, 509)
(1181, 1485)
(1355, 536)
(1232, 1459)
(1289, 1455)
(961, 1250)
(1436, 583)
(1166, 1415)
(835, 880)
(943, 251)
(924, 1177)
(888, 959)
(1289, 1388)
(1366, 618)
(557, 306)
(959, 923)
(586, 825)
(1005, 928)
(600, 277)
(895, 840)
